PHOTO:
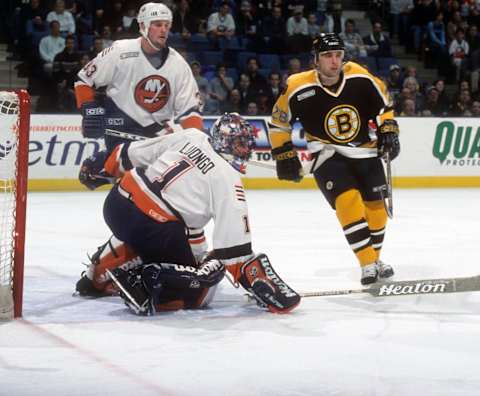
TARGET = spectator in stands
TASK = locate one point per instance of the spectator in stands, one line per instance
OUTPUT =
(234, 102)
(64, 18)
(114, 17)
(183, 21)
(354, 46)
(298, 39)
(247, 94)
(437, 42)
(107, 39)
(294, 67)
(475, 109)
(376, 43)
(408, 108)
(248, 28)
(412, 84)
(459, 50)
(424, 11)
(66, 64)
(221, 84)
(432, 106)
(221, 26)
(96, 48)
(257, 81)
(30, 19)
(461, 106)
(443, 98)
(252, 109)
(273, 31)
(202, 82)
(394, 80)
(129, 15)
(274, 89)
(313, 26)
(83, 18)
(399, 17)
(454, 23)
(50, 46)
(264, 104)
(334, 20)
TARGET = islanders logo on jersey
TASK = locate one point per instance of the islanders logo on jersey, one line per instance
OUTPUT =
(152, 93)
(342, 123)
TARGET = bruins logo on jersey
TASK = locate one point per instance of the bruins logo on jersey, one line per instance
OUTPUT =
(342, 123)
(152, 93)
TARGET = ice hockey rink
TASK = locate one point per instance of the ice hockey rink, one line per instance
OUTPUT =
(355, 345)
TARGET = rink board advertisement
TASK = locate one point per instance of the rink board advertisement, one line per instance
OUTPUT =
(435, 152)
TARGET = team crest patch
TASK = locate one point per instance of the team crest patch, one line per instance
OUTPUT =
(342, 123)
(152, 93)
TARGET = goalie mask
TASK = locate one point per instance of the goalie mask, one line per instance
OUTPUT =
(232, 137)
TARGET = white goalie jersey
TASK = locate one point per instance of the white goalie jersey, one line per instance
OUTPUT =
(143, 92)
(181, 177)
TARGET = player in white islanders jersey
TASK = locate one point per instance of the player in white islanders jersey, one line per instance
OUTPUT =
(178, 182)
(145, 81)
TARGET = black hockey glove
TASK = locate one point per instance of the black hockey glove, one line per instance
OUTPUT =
(388, 141)
(92, 174)
(93, 120)
(289, 166)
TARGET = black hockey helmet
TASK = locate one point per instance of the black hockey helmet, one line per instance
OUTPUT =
(328, 42)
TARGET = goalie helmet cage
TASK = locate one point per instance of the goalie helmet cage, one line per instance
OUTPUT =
(14, 138)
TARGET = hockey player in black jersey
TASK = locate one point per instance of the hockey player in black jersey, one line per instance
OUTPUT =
(347, 115)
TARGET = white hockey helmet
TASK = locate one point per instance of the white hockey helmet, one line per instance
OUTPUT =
(152, 12)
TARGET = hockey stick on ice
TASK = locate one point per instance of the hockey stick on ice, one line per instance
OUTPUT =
(402, 288)
(133, 137)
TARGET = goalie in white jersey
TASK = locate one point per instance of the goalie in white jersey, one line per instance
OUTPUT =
(171, 185)
(145, 81)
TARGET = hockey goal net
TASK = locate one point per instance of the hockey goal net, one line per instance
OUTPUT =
(14, 132)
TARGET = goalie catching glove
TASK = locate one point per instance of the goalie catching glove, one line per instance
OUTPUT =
(92, 173)
(388, 141)
(259, 278)
(288, 165)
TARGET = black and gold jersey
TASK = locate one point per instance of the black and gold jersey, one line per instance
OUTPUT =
(341, 117)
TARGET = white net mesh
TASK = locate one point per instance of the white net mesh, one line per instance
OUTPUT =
(9, 121)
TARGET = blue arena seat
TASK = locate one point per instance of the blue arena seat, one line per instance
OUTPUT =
(269, 61)
(242, 58)
(211, 57)
(385, 63)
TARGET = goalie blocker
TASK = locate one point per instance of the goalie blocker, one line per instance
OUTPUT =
(259, 278)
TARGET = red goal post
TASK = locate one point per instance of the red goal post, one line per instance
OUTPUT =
(14, 139)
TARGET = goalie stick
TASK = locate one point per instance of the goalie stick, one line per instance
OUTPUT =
(133, 137)
(403, 288)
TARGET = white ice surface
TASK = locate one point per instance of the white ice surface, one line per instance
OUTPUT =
(343, 346)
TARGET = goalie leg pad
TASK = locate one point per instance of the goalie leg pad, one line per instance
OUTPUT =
(132, 290)
(112, 254)
(260, 279)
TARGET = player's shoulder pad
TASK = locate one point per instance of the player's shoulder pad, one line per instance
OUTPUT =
(298, 80)
(353, 69)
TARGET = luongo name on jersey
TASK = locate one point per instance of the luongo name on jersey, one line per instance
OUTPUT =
(342, 117)
(143, 92)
